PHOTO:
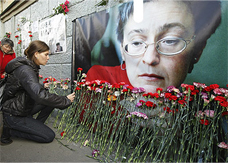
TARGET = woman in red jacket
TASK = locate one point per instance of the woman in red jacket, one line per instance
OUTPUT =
(6, 54)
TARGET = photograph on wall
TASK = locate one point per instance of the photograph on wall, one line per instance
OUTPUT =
(162, 50)
(54, 34)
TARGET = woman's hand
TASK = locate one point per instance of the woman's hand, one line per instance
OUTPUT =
(46, 85)
(71, 97)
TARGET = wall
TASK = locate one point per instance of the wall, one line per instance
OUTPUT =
(59, 65)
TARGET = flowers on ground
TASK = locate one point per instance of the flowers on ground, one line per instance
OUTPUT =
(172, 125)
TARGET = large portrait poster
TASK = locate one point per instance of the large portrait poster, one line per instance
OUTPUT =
(161, 50)
(53, 32)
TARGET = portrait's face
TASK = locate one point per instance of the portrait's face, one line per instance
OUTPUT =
(162, 20)
(41, 58)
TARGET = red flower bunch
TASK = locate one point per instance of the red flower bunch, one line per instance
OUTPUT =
(8, 34)
(49, 79)
(62, 8)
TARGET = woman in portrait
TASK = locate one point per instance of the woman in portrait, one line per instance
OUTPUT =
(162, 49)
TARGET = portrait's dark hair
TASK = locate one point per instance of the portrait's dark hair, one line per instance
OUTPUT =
(35, 46)
(206, 14)
(57, 44)
(7, 41)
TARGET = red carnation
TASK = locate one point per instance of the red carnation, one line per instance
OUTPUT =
(173, 97)
(125, 90)
(214, 86)
(156, 95)
(168, 95)
(224, 113)
(182, 102)
(204, 122)
(208, 89)
(62, 133)
(130, 87)
(223, 103)
(145, 95)
(159, 89)
(79, 69)
(115, 85)
(220, 98)
(194, 92)
(77, 88)
(150, 104)
(150, 94)
(191, 87)
(142, 101)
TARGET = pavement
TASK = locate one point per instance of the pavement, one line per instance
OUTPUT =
(60, 150)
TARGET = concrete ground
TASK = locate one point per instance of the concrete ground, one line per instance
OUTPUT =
(22, 150)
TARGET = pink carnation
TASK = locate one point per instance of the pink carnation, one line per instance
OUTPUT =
(138, 114)
(223, 145)
(217, 91)
(209, 113)
(200, 114)
(199, 85)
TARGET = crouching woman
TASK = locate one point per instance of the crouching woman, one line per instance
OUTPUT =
(24, 96)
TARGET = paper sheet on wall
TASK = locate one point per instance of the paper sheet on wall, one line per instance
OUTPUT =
(53, 31)
(25, 36)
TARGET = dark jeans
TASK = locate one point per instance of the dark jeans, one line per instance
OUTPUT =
(30, 128)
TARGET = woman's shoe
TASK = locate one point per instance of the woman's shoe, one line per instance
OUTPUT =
(5, 138)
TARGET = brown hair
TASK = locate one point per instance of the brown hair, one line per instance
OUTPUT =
(35, 46)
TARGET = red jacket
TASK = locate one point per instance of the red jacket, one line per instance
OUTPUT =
(4, 59)
(111, 74)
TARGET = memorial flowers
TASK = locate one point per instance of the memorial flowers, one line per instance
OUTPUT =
(185, 124)
(8, 34)
(62, 8)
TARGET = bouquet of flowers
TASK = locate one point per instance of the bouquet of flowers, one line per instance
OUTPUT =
(8, 34)
(62, 8)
